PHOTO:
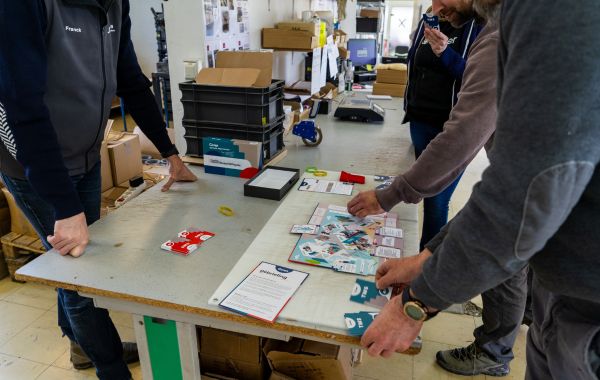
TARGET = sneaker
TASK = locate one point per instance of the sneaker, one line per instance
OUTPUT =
(81, 361)
(470, 361)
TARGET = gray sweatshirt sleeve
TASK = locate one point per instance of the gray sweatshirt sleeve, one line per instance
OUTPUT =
(545, 150)
(470, 126)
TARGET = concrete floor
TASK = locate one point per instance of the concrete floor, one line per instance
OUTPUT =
(31, 346)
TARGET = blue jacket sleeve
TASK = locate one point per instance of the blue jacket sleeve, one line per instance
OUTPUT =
(134, 88)
(26, 127)
(454, 62)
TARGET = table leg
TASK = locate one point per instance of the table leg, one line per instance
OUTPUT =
(168, 349)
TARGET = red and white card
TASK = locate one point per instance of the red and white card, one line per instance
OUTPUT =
(187, 241)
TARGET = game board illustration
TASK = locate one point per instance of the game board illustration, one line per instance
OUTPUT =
(342, 242)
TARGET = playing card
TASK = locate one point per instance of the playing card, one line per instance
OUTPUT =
(389, 231)
(388, 252)
(358, 323)
(388, 241)
(304, 229)
(179, 246)
(363, 291)
(383, 178)
(366, 292)
(195, 235)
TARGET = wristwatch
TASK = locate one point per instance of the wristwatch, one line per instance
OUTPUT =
(415, 309)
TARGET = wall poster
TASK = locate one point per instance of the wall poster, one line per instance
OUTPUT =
(226, 27)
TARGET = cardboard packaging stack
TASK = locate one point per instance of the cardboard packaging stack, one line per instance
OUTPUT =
(391, 80)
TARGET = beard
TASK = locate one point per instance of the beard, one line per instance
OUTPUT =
(459, 14)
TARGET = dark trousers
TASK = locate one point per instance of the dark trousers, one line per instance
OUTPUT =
(564, 338)
(78, 318)
(435, 209)
(503, 309)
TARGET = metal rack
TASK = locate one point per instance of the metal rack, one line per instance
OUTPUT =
(371, 27)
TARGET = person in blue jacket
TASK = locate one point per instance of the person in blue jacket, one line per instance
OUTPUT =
(436, 62)
(61, 64)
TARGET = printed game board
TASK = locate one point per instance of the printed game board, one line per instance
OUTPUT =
(342, 242)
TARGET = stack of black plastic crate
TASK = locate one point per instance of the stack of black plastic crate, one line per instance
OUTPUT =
(253, 114)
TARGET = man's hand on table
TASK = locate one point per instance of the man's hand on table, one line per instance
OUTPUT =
(70, 235)
(365, 204)
(391, 331)
(400, 272)
(178, 172)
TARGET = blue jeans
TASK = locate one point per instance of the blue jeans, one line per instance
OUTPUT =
(435, 214)
(78, 318)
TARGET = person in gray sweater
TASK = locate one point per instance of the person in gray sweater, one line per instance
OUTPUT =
(538, 202)
(471, 127)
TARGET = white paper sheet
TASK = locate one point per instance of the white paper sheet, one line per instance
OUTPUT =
(264, 292)
(316, 71)
(273, 179)
(324, 186)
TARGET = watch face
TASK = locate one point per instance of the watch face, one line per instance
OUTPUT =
(414, 311)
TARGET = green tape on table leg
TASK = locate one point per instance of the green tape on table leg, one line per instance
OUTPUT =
(163, 348)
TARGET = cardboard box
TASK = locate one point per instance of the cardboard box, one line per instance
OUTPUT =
(325, 95)
(239, 69)
(396, 90)
(279, 376)
(288, 39)
(340, 38)
(106, 168)
(235, 158)
(370, 12)
(344, 53)
(307, 360)
(232, 354)
(18, 222)
(147, 146)
(300, 113)
(311, 27)
(392, 76)
(125, 155)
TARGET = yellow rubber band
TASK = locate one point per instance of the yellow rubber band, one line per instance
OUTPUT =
(227, 211)
(320, 173)
(311, 169)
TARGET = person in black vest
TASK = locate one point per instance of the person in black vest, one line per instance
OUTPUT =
(61, 64)
(436, 62)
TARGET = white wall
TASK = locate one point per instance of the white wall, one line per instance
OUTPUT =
(184, 21)
(286, 66)
(143, 33)
(348, 25)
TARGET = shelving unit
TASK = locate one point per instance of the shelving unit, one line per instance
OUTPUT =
(370, 27)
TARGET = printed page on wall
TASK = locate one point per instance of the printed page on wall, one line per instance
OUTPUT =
(226, 27)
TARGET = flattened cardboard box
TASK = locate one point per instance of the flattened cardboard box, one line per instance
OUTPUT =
(392, 76)
(288, 39)
(396, 90)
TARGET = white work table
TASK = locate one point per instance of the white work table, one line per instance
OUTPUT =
(124, 268)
